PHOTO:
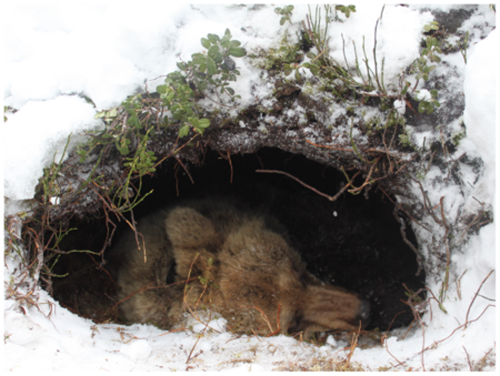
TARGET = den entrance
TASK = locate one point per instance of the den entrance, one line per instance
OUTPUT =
(354, 242)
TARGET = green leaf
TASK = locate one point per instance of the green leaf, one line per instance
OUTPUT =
(204, 123)
(99, 115)
(212, 68)
(237, 52)
(435, 59)
(197, 55)
(205, 43)
(213, 38)
(183, 131)
(133, 121)
(203, 86)
(122, 147)
(218, 58)
(235, 43)
(212, 52)
(405, 89)
(314, 69)
(199, 124)
(311, 55)
(230, 90)
(282, 21)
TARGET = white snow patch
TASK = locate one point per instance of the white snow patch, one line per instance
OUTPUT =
(424, 95)
(36, 135)
(480, 104)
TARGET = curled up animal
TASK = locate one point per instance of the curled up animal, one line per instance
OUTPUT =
(212, 254)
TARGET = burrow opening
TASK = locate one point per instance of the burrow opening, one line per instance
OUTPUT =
(354, 242)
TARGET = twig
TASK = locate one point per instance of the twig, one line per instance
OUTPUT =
(131, 295)
(381, 87)
(402, 230)
(444, 339)
(331, 198)
(185, 169)
(392, 321)
(448, 256)
(475, 296)
(387, 349)
(460, 327)
(199, 337)
(383, 140)
(459, 293)
(264, 316)
(181, 147)
(468, 359)
(417, 315)
(476, 219)
(370, 172)
(279, 325)
(137, 238)
(354, 343)
(427, 203)
(230, 164)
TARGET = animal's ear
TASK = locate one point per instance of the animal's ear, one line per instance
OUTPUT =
(187, 228)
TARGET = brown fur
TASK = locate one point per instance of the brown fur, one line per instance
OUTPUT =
(255, 278)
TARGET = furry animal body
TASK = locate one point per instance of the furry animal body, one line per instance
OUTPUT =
(213, 255)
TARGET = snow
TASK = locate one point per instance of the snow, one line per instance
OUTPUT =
(48, 124)
(54, 53)
(398, 37)
(480, 104)
(424, 95)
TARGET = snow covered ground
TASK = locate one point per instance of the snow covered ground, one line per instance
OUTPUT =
(106, 52)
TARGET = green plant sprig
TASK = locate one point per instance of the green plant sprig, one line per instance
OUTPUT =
(214, 68)
(285, 12)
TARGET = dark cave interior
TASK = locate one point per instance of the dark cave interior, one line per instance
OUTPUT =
(353, 242)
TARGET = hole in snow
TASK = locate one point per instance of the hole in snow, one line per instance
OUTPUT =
(353, 242)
